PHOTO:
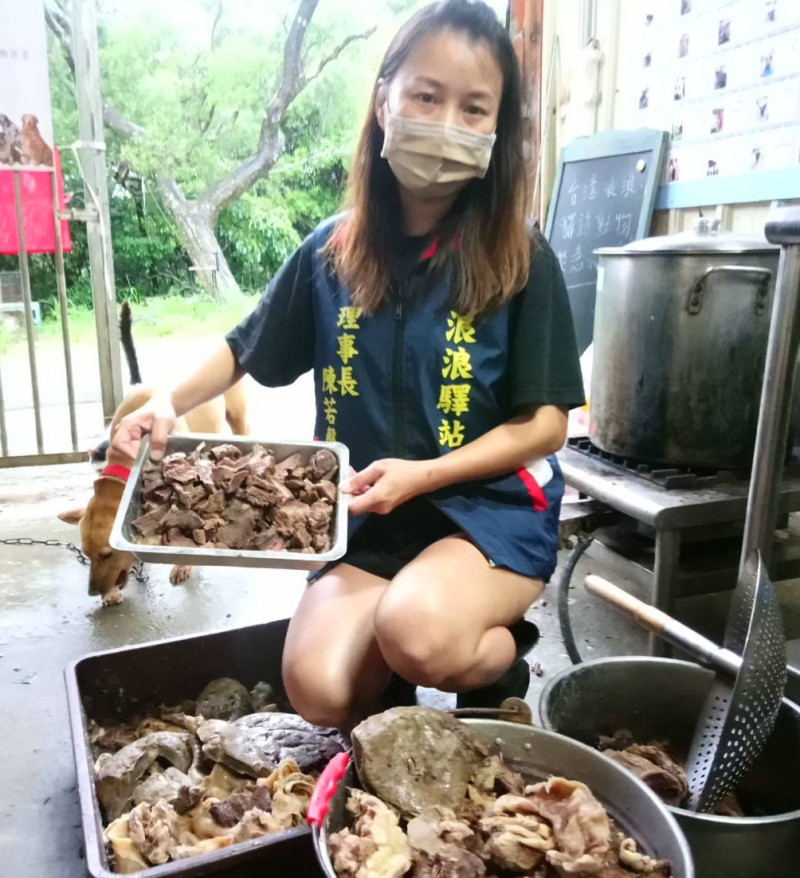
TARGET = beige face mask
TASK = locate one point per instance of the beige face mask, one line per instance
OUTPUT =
(435, 158)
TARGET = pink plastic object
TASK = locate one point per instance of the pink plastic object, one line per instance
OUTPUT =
(326, 787)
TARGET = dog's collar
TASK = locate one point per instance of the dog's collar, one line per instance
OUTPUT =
(117, 471)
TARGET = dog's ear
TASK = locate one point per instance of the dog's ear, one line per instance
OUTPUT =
(73, 516)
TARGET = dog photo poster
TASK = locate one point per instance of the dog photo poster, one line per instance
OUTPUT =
(723, 76)
(26, 122)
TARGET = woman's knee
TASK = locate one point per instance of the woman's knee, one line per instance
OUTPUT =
(321, 698)
(418, 643)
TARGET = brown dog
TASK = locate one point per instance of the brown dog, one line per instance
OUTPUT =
(110, 567)
(33, 145)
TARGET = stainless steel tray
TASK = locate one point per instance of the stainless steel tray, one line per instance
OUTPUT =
(124, 538)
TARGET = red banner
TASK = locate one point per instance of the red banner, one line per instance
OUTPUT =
(37, 208)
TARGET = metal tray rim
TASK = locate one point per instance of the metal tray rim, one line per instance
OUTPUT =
(232, 557)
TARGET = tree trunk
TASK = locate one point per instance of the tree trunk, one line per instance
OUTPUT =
(197, 234)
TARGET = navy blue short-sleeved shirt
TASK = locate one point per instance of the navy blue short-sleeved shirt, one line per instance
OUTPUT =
(416, 380)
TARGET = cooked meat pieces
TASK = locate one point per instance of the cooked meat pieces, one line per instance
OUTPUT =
(323, 465)
(444, 846)
(183, 519)
(266, 506)
(176, 468)
(189, 496)
(319, 517)
(655, 768)
(235, 535)
(581, 826)
(225, 452)
(154, 830)
(171, 786)
(632, 858)
(118, 774)
(230, 811)
(175, 802)
(254, 745)
(517, 838)
(415, 758)
(381, 850)
(224, 698)
(175, 537)
(205, 474)
(653, 764)
(491, 779)
(151, 523)
(288, 464)
(290, 517)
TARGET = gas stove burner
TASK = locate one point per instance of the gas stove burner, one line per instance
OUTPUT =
(669, 478)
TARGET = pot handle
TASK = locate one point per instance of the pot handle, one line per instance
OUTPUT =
(325, 789)
(695, 299)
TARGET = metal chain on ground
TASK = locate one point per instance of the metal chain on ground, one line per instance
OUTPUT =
(138, 568)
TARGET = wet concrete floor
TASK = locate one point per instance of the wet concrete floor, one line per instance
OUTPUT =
(47, 620)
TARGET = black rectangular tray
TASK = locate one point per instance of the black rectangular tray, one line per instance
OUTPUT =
(110, 686)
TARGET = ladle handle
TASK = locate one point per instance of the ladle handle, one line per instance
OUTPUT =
(664, 626)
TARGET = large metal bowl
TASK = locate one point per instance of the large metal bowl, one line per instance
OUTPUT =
(662, 699)
(538, 754)
(125, 538)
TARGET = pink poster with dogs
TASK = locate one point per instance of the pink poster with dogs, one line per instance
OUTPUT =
(26, 122)
(26, 130)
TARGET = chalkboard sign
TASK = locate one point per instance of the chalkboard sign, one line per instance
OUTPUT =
(604, 196)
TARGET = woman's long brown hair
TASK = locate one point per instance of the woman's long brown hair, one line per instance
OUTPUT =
(487, 239)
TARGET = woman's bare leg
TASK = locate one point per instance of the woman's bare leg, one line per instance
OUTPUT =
(442, 621)
(332, 667)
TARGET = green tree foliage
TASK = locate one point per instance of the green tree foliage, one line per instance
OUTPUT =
(196, 75)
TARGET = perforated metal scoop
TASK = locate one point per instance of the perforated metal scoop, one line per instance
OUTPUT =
(739, 715)
(746, 696)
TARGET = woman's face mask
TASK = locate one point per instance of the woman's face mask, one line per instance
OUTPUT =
(434, 158)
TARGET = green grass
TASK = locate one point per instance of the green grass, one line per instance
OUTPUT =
(184, 316)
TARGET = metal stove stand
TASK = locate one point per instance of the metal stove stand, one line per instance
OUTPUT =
(678, 532)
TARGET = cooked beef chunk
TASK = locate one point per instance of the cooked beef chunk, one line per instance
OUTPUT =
(189, 495)
(185, 519)
(290, 517)
(653, 766)
(205, 472)
(150, 523)
(273, 487)
(321, 543)
(300, 539)
(266, 541)
(176, 468)
(230, 811)
(222, 475)
(175, 538)
(323, 465)
(234, 535)
(215, 502)
(319, 517)
(220, 497)
(288, 464)
(225, 452)
(236, 482)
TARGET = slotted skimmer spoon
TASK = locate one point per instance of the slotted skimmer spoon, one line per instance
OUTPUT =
(744, 700)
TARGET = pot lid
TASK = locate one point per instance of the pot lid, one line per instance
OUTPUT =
(705, 237)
